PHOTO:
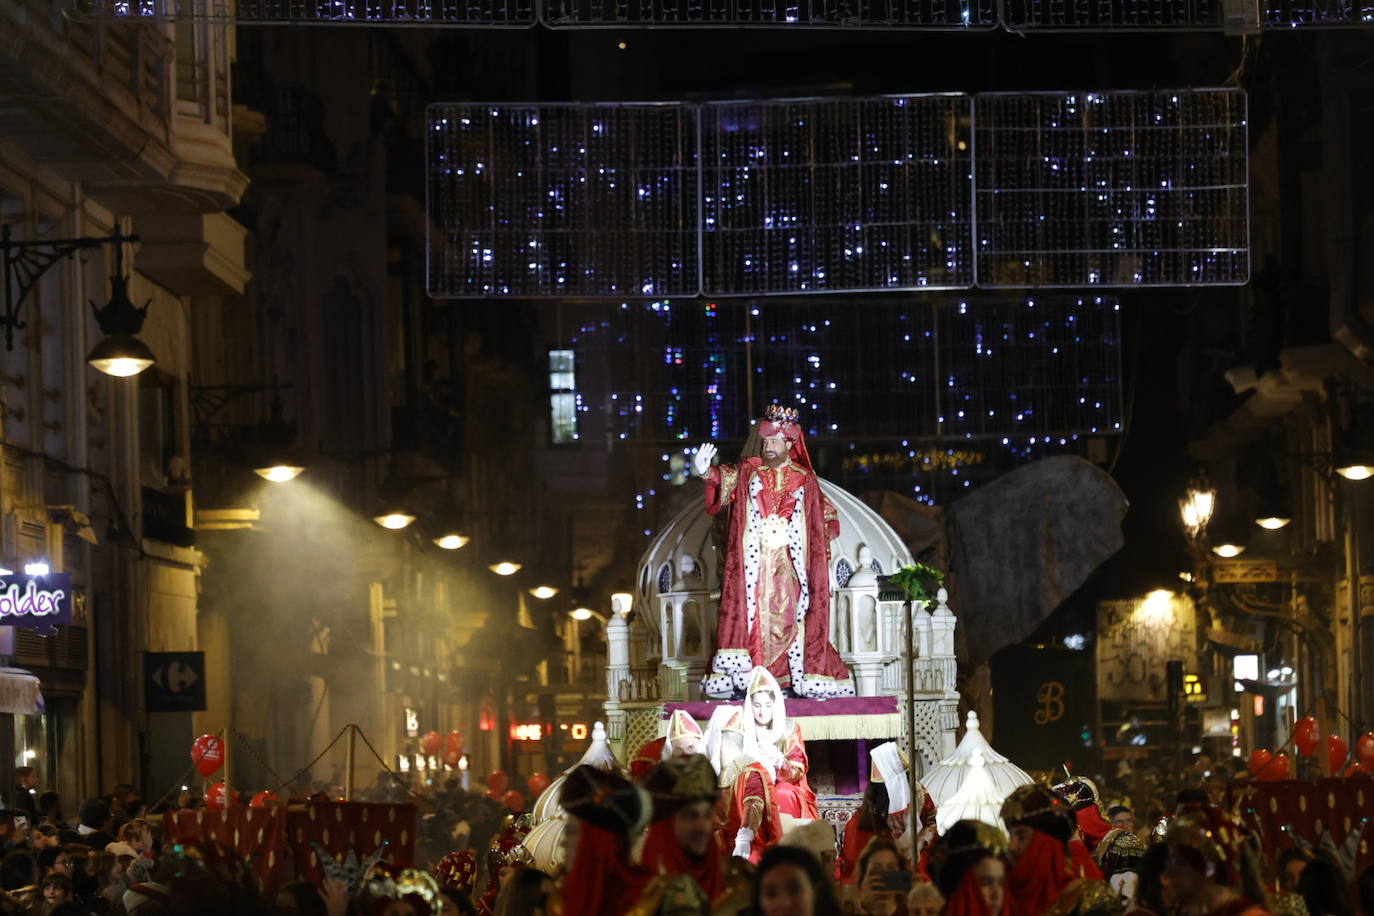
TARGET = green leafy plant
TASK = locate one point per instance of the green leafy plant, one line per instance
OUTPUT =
(920, 582)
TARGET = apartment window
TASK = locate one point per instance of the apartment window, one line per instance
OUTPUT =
(562, 397)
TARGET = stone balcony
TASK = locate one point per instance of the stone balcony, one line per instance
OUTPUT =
(109, 105)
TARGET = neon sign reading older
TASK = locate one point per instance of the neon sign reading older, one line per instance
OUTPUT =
(36, 602)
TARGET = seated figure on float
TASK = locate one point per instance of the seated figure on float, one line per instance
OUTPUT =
(684, 738)
(761, 759)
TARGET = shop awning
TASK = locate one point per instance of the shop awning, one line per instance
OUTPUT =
(19, 692)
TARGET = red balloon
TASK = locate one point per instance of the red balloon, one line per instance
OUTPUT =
(1259, 761)
(497, 782)
(207, 753)
(262, 799)
(1277, 771)
(1364, 749)
(537, 783)
(217, 798)
(429, 743)
(513, 800)
(1358, 769)
(1307, 734)
(452, 759)
(454, 743)
(1336, 752)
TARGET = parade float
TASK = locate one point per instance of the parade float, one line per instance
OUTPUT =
(664, 648)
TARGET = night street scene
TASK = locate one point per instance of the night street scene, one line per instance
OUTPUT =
(683, 457)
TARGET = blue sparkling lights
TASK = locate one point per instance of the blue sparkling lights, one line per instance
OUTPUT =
(853, 195)
(1112, 189)
(841, 194)
(959, 15)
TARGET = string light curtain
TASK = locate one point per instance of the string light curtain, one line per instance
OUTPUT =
(563, 200)
(1112, 188)
(491, 13)
(821, 195)
(921, 395)
(863, 194)
(960, 15)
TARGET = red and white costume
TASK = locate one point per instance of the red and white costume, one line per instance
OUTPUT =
(775, 587)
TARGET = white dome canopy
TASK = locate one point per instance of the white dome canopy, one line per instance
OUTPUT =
(688, 537)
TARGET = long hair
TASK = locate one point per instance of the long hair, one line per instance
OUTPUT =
(524, 894)
(1149, 889)
(1323, 886)
(822, 889)
(873, 810)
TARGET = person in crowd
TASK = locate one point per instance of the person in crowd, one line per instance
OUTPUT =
(454, 901)
(122, 798)
(682, 838)
(50, 810)
(884, 812)
(883, 881)
(606, 812)
(768, 780)
(526, 895)
(44, 836)
(1290, 865)
(505, 857)
(1043, 879)
(18, 878)
(969, 872)
(1204, 868)
(458, 870)
(1082, 796)
(790, 882)
(139, 836)
(57, 889)
(95, 824)
(26, 791)
(1121, 816)
(1325, 888)
(925, 899)
(684, 737)
(818, 837)
(1151, 891)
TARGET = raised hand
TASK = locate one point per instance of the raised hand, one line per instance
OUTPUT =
(701, 461)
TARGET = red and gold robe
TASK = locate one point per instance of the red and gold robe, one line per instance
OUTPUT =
(775, 587)
(789, 793)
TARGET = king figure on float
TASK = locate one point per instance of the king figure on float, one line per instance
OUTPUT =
(775, 584)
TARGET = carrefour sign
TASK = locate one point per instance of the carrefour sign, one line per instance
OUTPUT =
(36, 602)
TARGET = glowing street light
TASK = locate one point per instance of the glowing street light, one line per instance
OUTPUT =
(394, 520)
(1355, 470)
(622, 603)
(451, 541)
(1197, 507)
(1273, 522)
(505, 568)
(279, 473)
(582, 613)
(1228, 550)
(543, 592)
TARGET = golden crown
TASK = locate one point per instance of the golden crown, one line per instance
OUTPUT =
(776, 413)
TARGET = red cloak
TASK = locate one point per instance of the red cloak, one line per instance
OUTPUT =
(729, 486)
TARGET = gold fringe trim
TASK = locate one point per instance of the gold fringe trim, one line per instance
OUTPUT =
(848, 728)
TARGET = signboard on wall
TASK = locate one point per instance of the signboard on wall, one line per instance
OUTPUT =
(174, 681)
(1043, 706)
(1136, 638)
(38, 603)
